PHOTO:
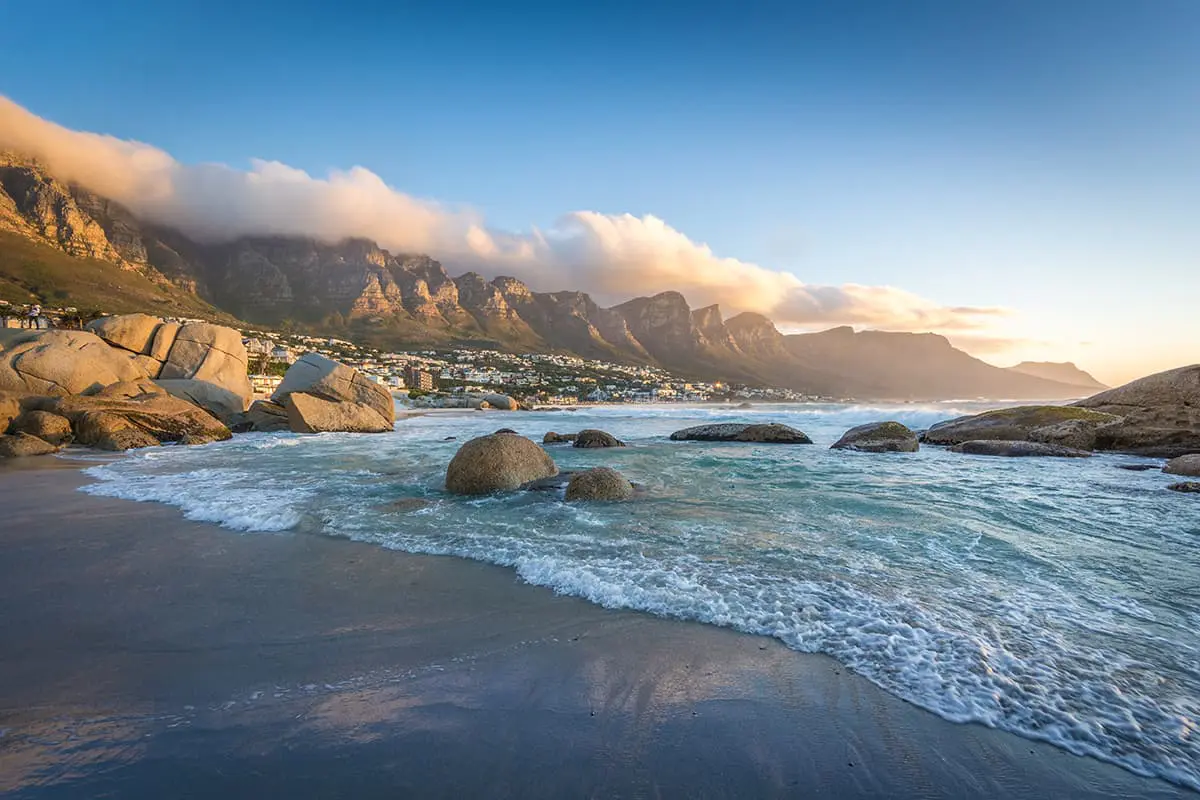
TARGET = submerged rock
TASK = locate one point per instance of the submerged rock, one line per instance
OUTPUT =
(1138, 467)
(1188, 465)
(20, 445)
(497, 462)
(600, 483)
(1186, 486)
(49, 427)
(1005, 447)
(769, 433)
(878, 437)
(1067, 425)
(595, 438)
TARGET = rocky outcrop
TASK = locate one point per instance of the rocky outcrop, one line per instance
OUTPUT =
(1188, 465)
(20, 445)
(52, 428)
(322, 379)
(1190, 487)
(1047, 424)
(211, 354)
(770, 433)
(1159, 414)
(599, 484)
(1007, 447)
(595, 438)
(137, 414)
(497, 462)
(878, 437)
(61, 362)
(558, 438)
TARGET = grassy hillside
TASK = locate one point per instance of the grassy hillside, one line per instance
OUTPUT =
(32, 272)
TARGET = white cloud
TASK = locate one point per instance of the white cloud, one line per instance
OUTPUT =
(613, 256)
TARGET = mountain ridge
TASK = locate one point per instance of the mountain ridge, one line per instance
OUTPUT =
(392, 298)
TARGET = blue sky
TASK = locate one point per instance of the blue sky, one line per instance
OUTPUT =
(1039, 156)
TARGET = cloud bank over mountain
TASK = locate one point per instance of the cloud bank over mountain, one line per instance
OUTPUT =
(613, 256)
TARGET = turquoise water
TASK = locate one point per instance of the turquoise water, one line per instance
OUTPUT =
(1055, 598)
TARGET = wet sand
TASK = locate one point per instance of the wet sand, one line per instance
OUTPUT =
(148, 656)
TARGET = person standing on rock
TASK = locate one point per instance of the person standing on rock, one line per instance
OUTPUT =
(34, 313)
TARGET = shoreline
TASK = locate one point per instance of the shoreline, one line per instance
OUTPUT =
(160, 656)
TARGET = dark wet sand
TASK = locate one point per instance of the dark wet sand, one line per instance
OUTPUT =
(148, 656)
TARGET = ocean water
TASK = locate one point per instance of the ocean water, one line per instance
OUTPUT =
(1058, 599)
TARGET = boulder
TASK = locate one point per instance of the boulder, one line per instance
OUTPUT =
(770, 433)
(1007, 447)
(222, 403)
(10, 408)
(151, 366)
(212, 354)
(1186, 486)
(45, 425)
(1023, 423)
(308, 413)
(500, 401)
(136, 414)
(601, 483)
(164, 337)
(878, 437)
(558, 438)
(265, 416)
(19, 445)
(1159, 415)
(327, 380)
(1188, 465)
(132, 332)
(595, 438)
(62, 362)
(497, 462)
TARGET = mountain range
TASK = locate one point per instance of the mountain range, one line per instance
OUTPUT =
(53, 234)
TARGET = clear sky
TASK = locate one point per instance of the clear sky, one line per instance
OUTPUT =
(1041, 157)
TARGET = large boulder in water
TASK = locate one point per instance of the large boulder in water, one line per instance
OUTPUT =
(52, 428)
(878, 437)
(308, 413)
(1188, 465)
(62, 362)
(1159, 415)
(137, 414)
(20, 445)
(1006, 447)
(211, 354)
(496, 463)
(559, 438)
(327, 380)
(500, 401)
(601, 483)
(769, 433)
(1049, 424)
(595, 438)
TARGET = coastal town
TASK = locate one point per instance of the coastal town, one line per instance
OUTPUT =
(533, 378)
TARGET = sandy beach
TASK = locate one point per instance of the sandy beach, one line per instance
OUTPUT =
(149, 656)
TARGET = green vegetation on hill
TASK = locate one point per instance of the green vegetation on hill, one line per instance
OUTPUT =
(31, 272)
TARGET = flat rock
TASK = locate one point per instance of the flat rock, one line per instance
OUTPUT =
(769, 433)
(137, 414)
(1023, 423)
(1006, 447)
(1188, 465)
(1186, 486)
(19, 445)
(598, 484)
(878, 437)
(49, 427)
(1138, 467)
(497, 462)
(595, 438)
(308, 413)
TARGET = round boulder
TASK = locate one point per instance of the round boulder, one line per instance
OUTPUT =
(595, 438)
(601, 483)
(500, 462)
(1188, 465)
(52, 428)
(878, 437)
(558, 438)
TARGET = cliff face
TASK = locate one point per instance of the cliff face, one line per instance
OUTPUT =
(396, 299)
